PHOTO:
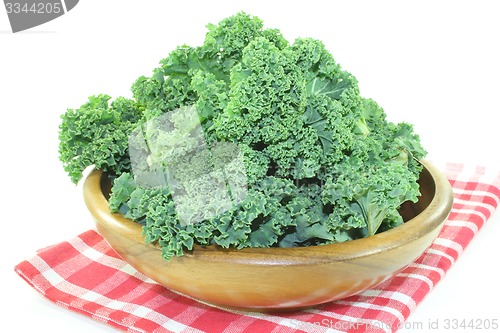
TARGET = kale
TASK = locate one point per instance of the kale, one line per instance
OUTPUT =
(247, 141)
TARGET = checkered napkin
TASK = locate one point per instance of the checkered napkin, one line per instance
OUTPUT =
(85, 275)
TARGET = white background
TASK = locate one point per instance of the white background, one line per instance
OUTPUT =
(432, 63)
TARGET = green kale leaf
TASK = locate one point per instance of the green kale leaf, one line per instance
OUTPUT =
(247, 140)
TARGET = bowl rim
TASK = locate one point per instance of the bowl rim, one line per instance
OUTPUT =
(432, 217)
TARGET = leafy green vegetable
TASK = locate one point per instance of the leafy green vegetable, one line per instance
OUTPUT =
(320, 163)
(97, 133)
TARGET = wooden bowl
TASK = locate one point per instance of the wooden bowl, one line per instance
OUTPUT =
(265, 279)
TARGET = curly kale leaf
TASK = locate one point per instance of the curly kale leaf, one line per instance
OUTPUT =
(265, 88)
(331, 88)
(226, 40)
(168, 88)
(368, 187)
(266, 101)
(97, 134)
(318, 163)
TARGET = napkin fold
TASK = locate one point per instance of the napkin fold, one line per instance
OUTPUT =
(85, 275)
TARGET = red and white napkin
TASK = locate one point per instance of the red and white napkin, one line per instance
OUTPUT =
(85, 275)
